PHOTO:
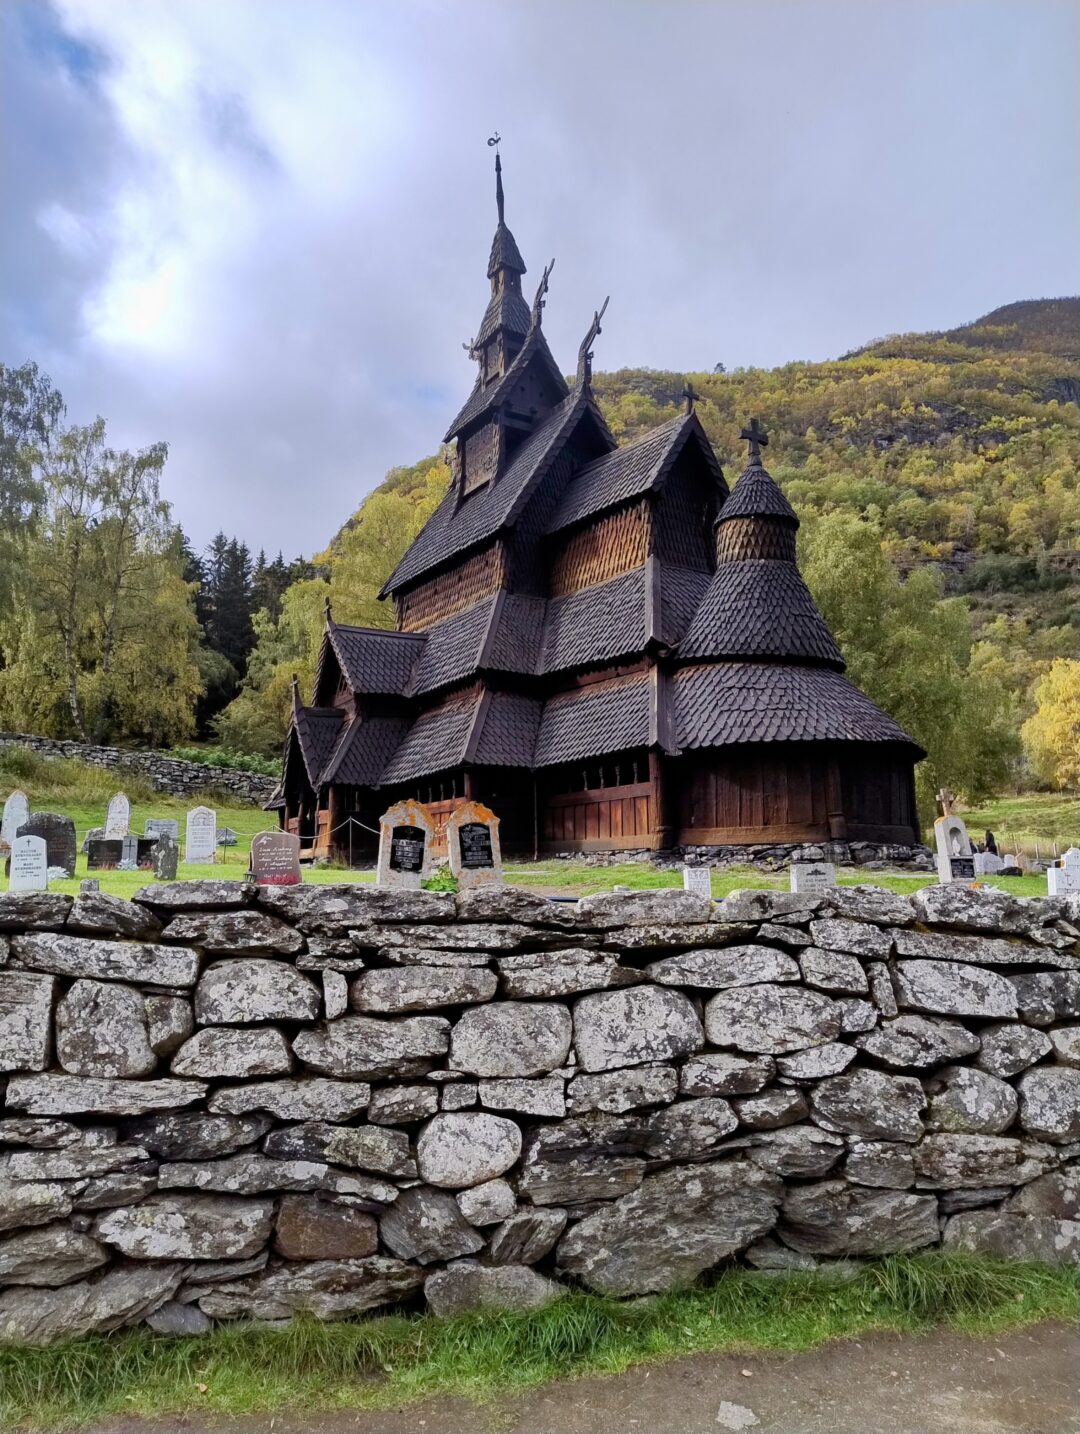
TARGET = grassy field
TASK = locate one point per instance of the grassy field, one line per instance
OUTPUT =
(1039, 818)
(83, 793)
(395, 1359)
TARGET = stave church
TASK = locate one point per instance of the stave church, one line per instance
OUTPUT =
(603, 642)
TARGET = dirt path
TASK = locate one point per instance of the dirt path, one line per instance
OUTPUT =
(1023, 1383)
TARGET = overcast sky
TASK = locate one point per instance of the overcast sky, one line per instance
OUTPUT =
(258, 229)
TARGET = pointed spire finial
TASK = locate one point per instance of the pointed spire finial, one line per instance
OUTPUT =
(584, 363)
(493, 143)
(538, 302)
(757, 438)
(328, 612)
(690, 395)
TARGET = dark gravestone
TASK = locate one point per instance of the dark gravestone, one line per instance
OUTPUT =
(165, 857)
(407, 848)
(275, 859)
(103, 853)
(962, 867)
(94, 834)
(59, 834)
(476, 848)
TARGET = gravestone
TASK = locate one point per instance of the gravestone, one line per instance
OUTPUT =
(89, 885)
(16, 814)
(103, 853)
(29, 864)
(813, 877)
(162, 826)
(955, 858)
(987, 863)
(165, 856)
(118, 817)
(200, 838)
(405, 834)
(275, 859)
(129, 853)
(472, 839)
(94, 834)
(1064, 879)
(698, 879)
(59, 834)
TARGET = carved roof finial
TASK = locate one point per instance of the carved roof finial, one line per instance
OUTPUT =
(585, 358)
(757, 438)
(493, 143)
(328, 612)
(538, 302)
(690, 395)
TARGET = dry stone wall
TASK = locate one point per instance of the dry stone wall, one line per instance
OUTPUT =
(174, 775)
(222, 1102)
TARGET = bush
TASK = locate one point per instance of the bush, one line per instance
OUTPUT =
(222, 757)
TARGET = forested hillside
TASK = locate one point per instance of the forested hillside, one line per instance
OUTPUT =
(936, 479)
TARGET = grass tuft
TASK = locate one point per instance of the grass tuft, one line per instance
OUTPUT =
(393, 1359)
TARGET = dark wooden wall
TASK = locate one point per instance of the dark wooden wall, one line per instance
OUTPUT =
(605, 804)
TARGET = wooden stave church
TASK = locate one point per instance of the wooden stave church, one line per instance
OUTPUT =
(601, 642)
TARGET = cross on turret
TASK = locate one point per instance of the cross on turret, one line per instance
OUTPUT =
(757, 438)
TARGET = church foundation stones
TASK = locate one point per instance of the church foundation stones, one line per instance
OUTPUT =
(493, 1096)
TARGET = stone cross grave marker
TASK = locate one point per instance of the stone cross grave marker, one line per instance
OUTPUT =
(59, 834)
(405, 834)
(29, 864)
(812, 877)
(118, 817)
(16, 814)
(201, 835)
(165, 855)
(129, 853)
(697, 879)
(955, 858)
(472, 839)
(275, 859)
(162, 826)
(1064, 879)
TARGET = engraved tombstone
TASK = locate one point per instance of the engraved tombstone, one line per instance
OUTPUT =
(59, 834)
(16, 814)
(200, 837)
(955, 858)
(697, 879)
(162, 826)
(129, 853)
(472, 839)
(987, 863)
(1064, 879)
(102, 854)
(812, 877)
(275, 859)
(165, 855)
(118, 817)
(405, 834)
(29, 864)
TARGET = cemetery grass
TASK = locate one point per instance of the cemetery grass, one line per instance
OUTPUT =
(391, 1360)
(1043, 817)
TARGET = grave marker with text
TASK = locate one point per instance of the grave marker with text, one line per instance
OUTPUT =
(472, 839)
(200, 837)
(29, 864)
(405, 834)
(275, 859)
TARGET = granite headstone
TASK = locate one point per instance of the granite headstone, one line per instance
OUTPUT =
(29, 866)
(472, 839)
(813, 877)
(955, 857)
(275, 859)
(200, 838)
(16, 814)
(1064, 879)
(165, 856)
(162, 826)
(59, 834)
(118, 817)
(405, 834)
(697, 879)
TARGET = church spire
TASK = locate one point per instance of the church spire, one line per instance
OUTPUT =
(500, 200)
(507, 317)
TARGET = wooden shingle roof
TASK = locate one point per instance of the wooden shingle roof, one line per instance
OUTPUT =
(757, 495)
(760, 609)
(485, 398)
(375, 660)
(438, 739)
(316, 731)
(364, 750)
(603, 717)
(733, 702)
(597, 623)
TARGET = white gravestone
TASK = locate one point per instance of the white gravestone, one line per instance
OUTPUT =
(118, 817)
(16, 815)
(1064, 879)
(987, 863)
(955, 858)
(129, 854)
(812, 877)
(200, 836)
(698, 879)
(406, 831)
(29, 864)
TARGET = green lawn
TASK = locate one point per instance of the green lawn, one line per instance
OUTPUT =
(388, 1361)
(1042, 817)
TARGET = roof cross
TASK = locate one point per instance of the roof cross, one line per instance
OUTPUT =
(757, 438)
(690, 395)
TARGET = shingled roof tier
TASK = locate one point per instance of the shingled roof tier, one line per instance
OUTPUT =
(597, 624)
(760, 608)
(507, 729)
(453, 648)
(734, 702)
(757, 495)
(508, 311)
(681, 591)
(365, 748)
(317, 730)
(438, 739)
(603, 717)
(459, 524)
(505, 253)
(630, 471)
(487, 397)
(374, 660)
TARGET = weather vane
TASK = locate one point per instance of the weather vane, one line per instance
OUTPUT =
(495, 140)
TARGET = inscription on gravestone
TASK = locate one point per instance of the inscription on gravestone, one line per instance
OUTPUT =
(118, 817)
(29, 864)
(812, 877)
(1064, 879)
(697, 879)
(59, 834)
(16, 814)
(200, 837)
(162, 826)
(275, 859)
(405, 835)
(472, 839)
